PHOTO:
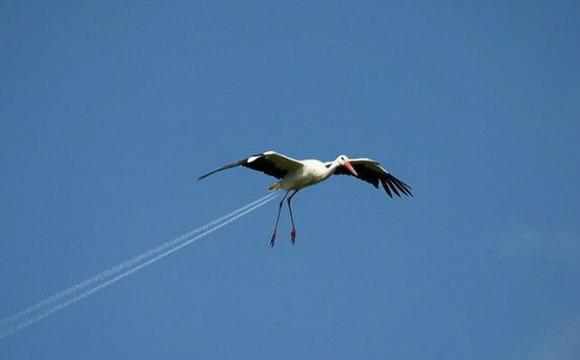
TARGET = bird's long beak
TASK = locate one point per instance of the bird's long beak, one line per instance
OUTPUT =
(350, 168)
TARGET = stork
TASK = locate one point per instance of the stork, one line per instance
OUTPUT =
(294, 175)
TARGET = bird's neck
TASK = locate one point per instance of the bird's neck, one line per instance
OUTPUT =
(332, 167)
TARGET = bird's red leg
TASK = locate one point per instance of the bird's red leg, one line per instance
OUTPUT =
(273, 238)
(293, 232)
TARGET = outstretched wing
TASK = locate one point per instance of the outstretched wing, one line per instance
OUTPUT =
(270, 163)
(372, 172)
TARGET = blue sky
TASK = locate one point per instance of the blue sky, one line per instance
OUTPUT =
(109, 112)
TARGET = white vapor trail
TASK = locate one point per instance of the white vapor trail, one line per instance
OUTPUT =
(105, 278)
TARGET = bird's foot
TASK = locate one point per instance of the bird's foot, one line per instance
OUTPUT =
(272, 240)
(293, 236)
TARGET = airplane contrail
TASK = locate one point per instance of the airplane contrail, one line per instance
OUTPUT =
(105, 278)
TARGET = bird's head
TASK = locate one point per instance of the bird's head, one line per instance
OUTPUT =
(343, 161)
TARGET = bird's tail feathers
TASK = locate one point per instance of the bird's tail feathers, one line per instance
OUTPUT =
(275, 186)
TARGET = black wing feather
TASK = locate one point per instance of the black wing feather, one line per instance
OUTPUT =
(386, 187)
(225, 167)
(267, 167)
(364, 173)
(393, 186)
(390, 183)
(261, 163)
(406, 189)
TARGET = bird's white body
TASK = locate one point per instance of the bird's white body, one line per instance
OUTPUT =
(311, 172)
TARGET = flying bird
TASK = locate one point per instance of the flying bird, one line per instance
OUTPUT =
(294, 175)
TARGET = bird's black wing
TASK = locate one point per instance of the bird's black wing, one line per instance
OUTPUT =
(269, 162)
(373, 173)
